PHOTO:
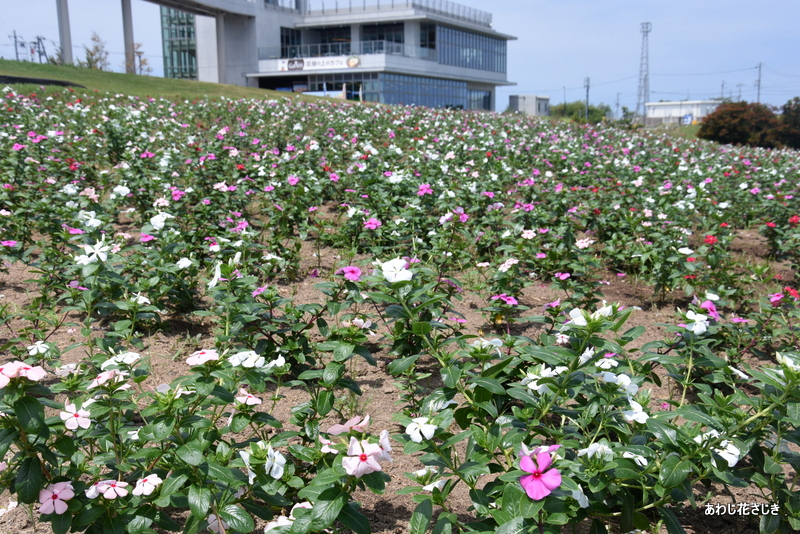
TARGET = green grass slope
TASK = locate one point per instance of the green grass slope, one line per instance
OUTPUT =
(129, 84)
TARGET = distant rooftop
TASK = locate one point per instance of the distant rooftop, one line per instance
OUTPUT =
(438, 7)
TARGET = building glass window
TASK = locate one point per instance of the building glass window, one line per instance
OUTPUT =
(470, 50)
(393, 33)
(334, 41)
(420, 91)
(178, 39)
(480, 100)
(290, 42)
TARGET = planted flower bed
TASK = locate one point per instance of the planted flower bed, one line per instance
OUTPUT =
(171, 368)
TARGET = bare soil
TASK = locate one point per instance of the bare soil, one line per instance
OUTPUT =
(389, 513)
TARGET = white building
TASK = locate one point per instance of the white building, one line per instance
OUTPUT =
(427, 52)
(679, 112)
(532, 105)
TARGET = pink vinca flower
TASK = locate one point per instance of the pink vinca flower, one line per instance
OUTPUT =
(505, 297)
(361, 458)
(353, 424)
(425, 189)
(351, 273)
(18, 368)
(247, 399)
(74, 418)
(711, 309)
(542, 479)
(53, 498)
(372, 223)
(202, 356)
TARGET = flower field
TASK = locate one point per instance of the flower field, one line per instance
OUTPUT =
(240, 316)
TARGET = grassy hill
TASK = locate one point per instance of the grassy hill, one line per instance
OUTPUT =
(129, 84)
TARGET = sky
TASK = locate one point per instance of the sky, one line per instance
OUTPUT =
(698, 49)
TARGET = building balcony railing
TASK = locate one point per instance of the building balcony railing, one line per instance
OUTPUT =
(439, 7)
(357, 48)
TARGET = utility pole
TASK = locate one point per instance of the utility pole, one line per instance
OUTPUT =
(16, 47)
(618, 116)
(739, 85)
(565, 100)
(586, 84)
(758, 83)
(722, 93)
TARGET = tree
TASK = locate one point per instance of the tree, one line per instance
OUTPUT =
(97, 55)
(140, 63)
(789, 132)
(741, 123)
(576, 111)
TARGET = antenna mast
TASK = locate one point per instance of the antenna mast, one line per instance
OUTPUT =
(644, 73)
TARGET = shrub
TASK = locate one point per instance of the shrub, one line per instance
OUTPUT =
(789, 132)
(741, 123)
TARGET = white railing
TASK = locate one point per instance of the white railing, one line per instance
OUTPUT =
(440, 7)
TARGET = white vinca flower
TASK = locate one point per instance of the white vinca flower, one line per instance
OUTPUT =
(699, 323)
(248, 359)
(636, 413)
(395, 270)
(275, 463)
(600, 450)
(420, 427)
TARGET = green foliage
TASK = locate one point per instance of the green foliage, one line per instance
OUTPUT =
(741, 123)
(576, 111)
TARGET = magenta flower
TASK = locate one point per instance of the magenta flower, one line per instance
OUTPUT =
(712, 310)
(293, 180)
(425, 189)
(775, 299)
(562, 276)
(372, 223)
(351, 273)
(511, 301)
(8, 243)
(144, 238)
(542, 480)
(53, 498)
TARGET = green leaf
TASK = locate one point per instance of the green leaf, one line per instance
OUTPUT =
(691, 413)
(421, 517)
(191, 453)
(768, 524)
(671, 522)
(240, 421)
(515, 526)
(113, 525)
(329, 503)
(199, 501)
(674, 471)
(29, 479)
(221, 474)
(171, 485)
(159, 429)
(61, 523)
(342, 351)
(30, 414)
(598, 527)
(145, 515)
(237, 518)
(351, 518)
(332, 372)
(421, 328)
(324, 402)
(398, 367)
(492, 385)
